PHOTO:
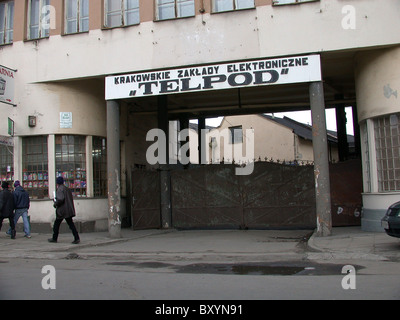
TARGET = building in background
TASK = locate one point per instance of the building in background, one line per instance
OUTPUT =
(275, 139)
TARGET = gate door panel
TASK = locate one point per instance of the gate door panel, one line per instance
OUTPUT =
(145, 199)
(279, 196)
(273, 196)
(206, 197)
(346, 193)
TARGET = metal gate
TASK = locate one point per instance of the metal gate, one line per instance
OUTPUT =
(346, 193)
(273, 196)
(145, 199)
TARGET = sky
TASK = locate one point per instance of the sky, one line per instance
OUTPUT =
(304, 117)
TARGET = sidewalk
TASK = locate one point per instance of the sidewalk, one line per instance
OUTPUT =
(206, 245)
(353, 243)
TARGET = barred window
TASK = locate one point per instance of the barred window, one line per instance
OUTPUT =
(71, 162)
(171, 9)
(6, 163)
(366, 167)
(35, 166)
(99, 154)
(387, 140)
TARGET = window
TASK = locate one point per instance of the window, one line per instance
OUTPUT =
(121, 13)
(38, 19)
(6, 22)
(236, 134)
(283, 2)
(171, 9)
(6, 163)
(229, 5)
(99, 154)
(76, 16)
(71, 162)
(35, 167)
(366, 167)
(387, 141)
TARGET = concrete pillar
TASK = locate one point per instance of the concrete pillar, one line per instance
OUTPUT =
(184, 124)
(321, 161)
(356, 128)
(165, 175)
(51, 158)
(202, 140)
(341, 121)
(113, 170)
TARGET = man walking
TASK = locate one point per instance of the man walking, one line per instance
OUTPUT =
(7, 207)
(22, 204)
(64, 204)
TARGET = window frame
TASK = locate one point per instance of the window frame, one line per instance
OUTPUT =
(7, 163)
(235, 6)
(73, 170)
(387, 146)
(34, 155)
(79, 18)
(290, 2)
(177, 15)
(42, 32)
(7, 30)
(233, 137)
(123, 14)
(99, 160)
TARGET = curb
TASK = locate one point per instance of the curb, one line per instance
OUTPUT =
(330, 254)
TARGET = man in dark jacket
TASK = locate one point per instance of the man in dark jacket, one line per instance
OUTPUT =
(22, 204)
(7, 207)
(64, 204)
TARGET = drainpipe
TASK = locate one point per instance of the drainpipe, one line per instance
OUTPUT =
(321, 161)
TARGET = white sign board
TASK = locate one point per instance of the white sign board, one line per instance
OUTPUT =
(262, 72)
(65, 120)
(7, 79)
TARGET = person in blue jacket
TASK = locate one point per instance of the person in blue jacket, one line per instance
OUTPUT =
(22, 204)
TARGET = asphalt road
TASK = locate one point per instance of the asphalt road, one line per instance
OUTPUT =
(109, 279)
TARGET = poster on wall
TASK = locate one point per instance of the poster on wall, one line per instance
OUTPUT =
(261, 72)
(65, 120)
(7, 79)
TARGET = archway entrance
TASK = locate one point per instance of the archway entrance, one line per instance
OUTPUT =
(230, 88)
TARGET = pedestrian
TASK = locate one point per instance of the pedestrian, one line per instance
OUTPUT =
(7, 207)
(22, 204)
(64, 204)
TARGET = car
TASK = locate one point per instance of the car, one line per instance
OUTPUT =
(391, 221)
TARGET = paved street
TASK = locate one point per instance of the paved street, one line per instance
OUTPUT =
(107, 280)
(202, 265)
